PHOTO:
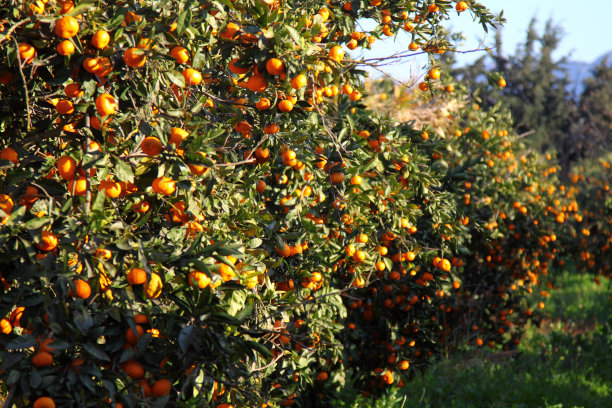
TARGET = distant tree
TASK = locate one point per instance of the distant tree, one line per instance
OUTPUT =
(536, 92)
(596, 110)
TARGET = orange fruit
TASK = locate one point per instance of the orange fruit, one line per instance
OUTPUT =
(336, 53)
(133, 369)
(91, 64)
(134, 57)
(192, 76)
(136, 276)
(67, 27)
(64, 107)
(164, 185)
(177, 135)
(299, 81)
(261, 186)
(42, 359)
(257, 83)
(151, 146)
(153, 287)
(230, 31)
(236, 69)
(5, 326)
(73, 90)
(48, 241)
(106, 104)
(78, 186)
(100, 39)
(263, 104)
(285, 106)
(274, 66)
(501, 82)
(65, 47)
(132, 337)
(9, 154)
(433, 74)
(82, 289)
(336, 178)
(26, 52)
(180, 54)
(161, 387)
(356, 180)
(461, 6)
(66, 167)
(44, 402)
(111, 188)
(199, 278)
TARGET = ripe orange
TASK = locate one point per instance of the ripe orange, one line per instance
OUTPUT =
(100, 39)
(285, 106)
(274, 66)
(26, 52)
(66, 167)
(230, 31)
(356, 180)
(413, 46)
(42, 359)
(136, 276)
(151, 146)
(64, 107)
(133, 369)
(164, 185)
(299, 81)
(67, 27)
(192, 76)
(261, 186)
(134, 57)
(177, 135)
(78, 186)
(132, 337)
(161, 387)
(10, 154)
(257, 83)
(355, 96)
(82, 289)
(153, 287)
(48, 241)
(73, 90)
(236, 69)
(111, 188)
(271, 129)
(336, 178)
(180, 54)
(336, 53)
(44, 402)
(91, 64)
(433, 74)
(65, 47)
(5, 326)
(199, 278)
(501, 82)
(461, 6)
(263, 104)
(106, 104)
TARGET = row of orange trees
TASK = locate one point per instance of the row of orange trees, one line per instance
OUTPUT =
(198, 210)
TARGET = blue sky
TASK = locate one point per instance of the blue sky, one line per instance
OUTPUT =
(586, 25)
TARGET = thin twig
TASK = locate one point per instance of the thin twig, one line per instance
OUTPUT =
(25, 86)
(13, 28)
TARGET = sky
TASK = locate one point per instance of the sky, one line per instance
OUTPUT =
(585, 23)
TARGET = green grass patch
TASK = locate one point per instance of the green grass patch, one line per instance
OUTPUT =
(564, 362)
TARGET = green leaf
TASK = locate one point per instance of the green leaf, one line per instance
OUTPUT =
(123, 170)
(95, 351)
(176, 78)
(37, 223)
(183, 21)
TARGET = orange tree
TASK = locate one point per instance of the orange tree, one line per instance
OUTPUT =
(192, 197)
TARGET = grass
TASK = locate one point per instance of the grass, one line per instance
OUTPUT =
(565, 362)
